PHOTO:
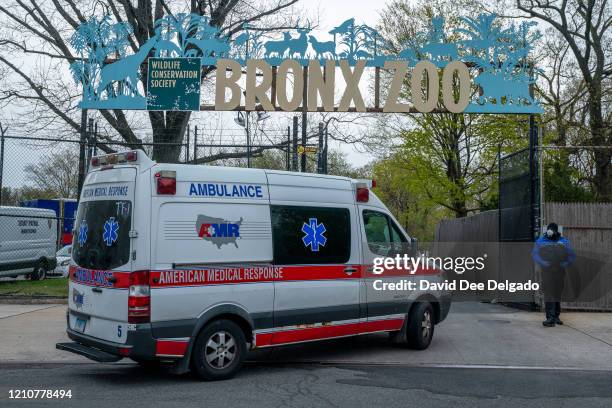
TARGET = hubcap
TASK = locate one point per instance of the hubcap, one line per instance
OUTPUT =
(426, 324)
(220, 350)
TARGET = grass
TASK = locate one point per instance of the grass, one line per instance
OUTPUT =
(47, 287)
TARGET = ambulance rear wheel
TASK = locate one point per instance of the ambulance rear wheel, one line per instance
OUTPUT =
(40, 272)
(219, 350)
(420, 326)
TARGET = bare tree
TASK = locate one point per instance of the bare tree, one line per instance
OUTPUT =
(39, 31)
(586, 27)
(56, 173)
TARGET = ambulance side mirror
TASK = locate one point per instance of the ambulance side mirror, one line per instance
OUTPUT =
(414, 247)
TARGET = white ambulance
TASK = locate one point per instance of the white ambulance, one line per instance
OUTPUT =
(195, 265)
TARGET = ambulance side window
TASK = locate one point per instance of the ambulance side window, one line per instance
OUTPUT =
(310, 235)
(382, 234)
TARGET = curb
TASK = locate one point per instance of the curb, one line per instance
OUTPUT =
(33, 300)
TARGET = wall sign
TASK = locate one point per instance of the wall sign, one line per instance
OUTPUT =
(174, 84)
(485, 70)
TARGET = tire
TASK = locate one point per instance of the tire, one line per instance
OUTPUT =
(40, 272)
(207, 362)
(420, 326)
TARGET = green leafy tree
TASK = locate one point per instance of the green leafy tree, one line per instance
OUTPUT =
(451, 158)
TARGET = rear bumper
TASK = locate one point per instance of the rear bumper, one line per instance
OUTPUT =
(89, 352)
(140, 345)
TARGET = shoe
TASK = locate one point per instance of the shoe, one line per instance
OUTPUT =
(558, 321)
(548, 323)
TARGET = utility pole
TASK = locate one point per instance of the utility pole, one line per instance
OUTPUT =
(294, 164)
(83, 141)
(320, 153)
(288, 152)
(325, 169)
(2, 133)
(248, 135)
(304, 120)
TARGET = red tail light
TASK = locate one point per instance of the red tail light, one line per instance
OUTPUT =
(139, 298)
(363, 194)
(166, 182)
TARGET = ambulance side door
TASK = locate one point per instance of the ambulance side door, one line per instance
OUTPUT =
(381, 237)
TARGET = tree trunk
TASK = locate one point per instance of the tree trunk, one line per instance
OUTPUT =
(169, 134)
(603, 168)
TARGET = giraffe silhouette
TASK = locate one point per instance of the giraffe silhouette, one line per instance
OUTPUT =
(126, 69)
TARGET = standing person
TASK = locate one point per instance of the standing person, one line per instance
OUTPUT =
(553, 253)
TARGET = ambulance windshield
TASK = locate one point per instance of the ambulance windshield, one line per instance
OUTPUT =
(101, 235)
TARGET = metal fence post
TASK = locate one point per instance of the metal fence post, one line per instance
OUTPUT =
(2, 132)
(187, 144)
(195, 145)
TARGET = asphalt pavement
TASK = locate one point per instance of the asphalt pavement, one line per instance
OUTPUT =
(482, 356)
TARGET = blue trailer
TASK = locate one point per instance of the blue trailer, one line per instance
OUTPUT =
(65, 210)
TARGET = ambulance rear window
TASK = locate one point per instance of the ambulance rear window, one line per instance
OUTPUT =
(101, 236)
(311, 235)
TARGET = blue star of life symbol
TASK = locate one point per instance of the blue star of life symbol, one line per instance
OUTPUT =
(111, 231)
(82, 233)
(313, 234)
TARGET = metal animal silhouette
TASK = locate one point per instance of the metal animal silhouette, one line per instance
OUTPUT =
(361, 54)
(495, 86)
(210, 46)
(299, 45)
(279, 48)
(321, 48)
(408, 54)
(126, 69)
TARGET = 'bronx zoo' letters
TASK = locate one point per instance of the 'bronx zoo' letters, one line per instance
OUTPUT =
(424, 86)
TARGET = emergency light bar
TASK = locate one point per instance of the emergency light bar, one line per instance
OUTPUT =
(114, 158)
(362, 190)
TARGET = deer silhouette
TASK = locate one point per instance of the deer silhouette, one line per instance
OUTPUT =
(126, 69)
(322, 48)
(277, 47)
(299, 45)
(209, 46)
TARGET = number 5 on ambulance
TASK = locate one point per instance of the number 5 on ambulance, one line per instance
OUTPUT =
(193, 266)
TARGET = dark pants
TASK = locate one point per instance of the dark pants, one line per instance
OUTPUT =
(553, 309)
(553, 282)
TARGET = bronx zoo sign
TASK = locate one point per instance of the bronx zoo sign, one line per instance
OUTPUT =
(486, 70)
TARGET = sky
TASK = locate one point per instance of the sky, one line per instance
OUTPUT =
(334, 12)
(331, 13)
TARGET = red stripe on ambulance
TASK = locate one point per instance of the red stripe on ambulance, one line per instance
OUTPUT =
(326, 332)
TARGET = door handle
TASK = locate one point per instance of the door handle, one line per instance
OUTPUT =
(350, 270)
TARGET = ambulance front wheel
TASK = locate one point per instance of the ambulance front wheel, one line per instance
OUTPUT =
(219, 350)
(420, 328)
